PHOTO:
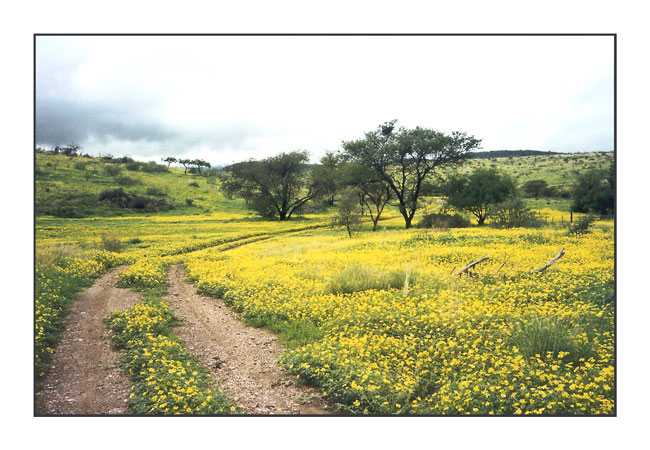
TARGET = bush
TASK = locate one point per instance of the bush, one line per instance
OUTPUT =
(126, 181)
(111, 243)
(112, 170)
(443, 221)
(80, 165)
(194, 184)
(133, 166)
(582, 225)
(189, 202)
(151, 166)
(513, 213)
(157, 192)
(110, 194)
(546, 335)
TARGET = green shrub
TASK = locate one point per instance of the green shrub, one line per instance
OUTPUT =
(112, 170)
(151, 167)
(111, 243)
(132, 166)
(189, 202)
(582, 225)
(513, 213)
(194, 184)
(126, 181)
(542, 336)
(444, 221)
(157, 192)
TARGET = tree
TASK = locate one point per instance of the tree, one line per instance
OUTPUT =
(594, 191)
(275, 186)
(480, 192)
(185, 162)
(373, 192)
(349, 211)
(169, 160)
(405, 158)
(68, 150)
(325, 174)
(535, 188)
(198, 163)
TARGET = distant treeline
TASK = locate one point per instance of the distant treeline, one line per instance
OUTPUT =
(509, 153)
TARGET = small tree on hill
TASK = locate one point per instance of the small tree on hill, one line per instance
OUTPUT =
(373, 192)
(480, 192)
(169, 160)
(198, 163)
(185, 162)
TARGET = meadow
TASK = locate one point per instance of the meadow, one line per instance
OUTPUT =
(380, 323)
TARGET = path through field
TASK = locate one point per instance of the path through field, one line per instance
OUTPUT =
(243, 359)
(85, 377)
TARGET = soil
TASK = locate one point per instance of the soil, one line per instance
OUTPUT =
(242, 359)
(85, 377)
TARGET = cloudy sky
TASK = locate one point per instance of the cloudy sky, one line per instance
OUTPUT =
(226, 99)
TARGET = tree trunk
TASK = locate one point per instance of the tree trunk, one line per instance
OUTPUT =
(481, 221)
(374, 223)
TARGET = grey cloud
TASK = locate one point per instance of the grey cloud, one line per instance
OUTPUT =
(61, 122)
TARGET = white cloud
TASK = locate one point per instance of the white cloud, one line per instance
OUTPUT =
(254, 96)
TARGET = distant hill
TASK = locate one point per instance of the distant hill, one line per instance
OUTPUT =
(510, 153)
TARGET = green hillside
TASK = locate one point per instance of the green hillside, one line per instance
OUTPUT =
(75, 187)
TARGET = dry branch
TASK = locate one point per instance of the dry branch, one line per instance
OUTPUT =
(551, 262)
(470, 265)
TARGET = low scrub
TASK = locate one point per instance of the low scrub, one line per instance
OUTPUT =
(443, 221)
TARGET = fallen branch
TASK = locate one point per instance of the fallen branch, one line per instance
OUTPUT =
(550, 263)
(501, 267)
(470, 265)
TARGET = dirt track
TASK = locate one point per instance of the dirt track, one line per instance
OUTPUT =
(85, 378)
(243, 359)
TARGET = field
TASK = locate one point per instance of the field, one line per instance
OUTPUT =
(379, 323)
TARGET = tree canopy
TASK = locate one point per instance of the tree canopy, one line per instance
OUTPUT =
(594, 192)
(405, 158)
(480, 192)
(274, 187)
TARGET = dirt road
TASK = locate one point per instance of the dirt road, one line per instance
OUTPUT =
(85, 378)
(243, 359)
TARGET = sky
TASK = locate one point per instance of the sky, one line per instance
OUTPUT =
(231, 98)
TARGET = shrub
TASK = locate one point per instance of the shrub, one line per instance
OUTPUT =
(194, 184)
(126, 181)
(157, 192)
(110, 194)
(111, 243)
(582, 225)
(443, 221)
(132, 165)
(189, 202)
(80, 165)
(542, 336)
(112, 170)
(151, 166)
(514, 213)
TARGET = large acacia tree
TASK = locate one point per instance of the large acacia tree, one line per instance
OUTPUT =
(274, 187)
(405, 158)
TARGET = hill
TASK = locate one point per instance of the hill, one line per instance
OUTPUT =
(81, 186)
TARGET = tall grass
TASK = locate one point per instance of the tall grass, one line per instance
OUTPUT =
(357, 277)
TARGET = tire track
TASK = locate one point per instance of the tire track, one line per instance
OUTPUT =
(85, 377)
(243, 359)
